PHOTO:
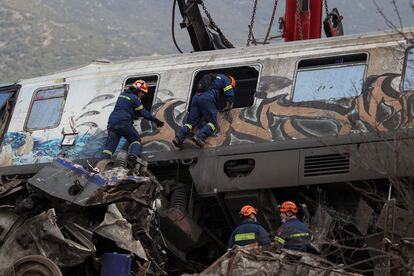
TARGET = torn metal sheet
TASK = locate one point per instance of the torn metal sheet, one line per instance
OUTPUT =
(140, 217)
(256, 262)
(402, 220)
(8, 218)
(119, 230)
(321, 225)
(79, 233)
(10, 187)
(362, 217)
(67, 181)
(41, 235)
(139, 189)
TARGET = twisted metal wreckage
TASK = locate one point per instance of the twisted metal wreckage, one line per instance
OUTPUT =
(69, 217)
(69, 214)
(58, 217)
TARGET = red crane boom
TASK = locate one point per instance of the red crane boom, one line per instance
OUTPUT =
(303, 19)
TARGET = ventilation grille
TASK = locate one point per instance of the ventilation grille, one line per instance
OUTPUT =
(330, 164)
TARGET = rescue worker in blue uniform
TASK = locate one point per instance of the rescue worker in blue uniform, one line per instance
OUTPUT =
(204, 107)
(249, 232)
(292, 234)
(128, 107)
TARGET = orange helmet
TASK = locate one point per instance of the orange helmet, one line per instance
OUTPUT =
(233, 81)
(247, 210)
(141, 85)
(288, 206)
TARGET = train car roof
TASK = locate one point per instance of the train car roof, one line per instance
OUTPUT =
(148, 64)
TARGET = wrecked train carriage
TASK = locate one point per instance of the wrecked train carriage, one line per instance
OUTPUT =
(304, 114)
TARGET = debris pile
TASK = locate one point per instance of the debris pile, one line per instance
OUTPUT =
(272, 261)
(117, 219)
(80, 222)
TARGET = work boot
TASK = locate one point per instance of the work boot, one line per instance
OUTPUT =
(121, 159)
(199, 141)
(132, 161)
(177, 143)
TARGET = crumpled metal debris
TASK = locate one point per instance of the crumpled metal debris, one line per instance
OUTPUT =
(321, 225)
(41, 235)
(10, 187)
(87, 210)
(362, 216)
(118, 229)
(67, 181)
(8, 218)
(241, 261)
(404, 218)
(138, 189)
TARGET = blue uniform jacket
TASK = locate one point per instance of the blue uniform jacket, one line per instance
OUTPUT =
(293, 234)
(218, 85)
(127, 108)
(249, 232)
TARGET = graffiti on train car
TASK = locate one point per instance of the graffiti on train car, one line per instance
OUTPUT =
(381, 107)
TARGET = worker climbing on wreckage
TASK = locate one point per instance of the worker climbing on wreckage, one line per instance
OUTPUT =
(128, 107)
(249, 232)
(292, 234)
(204, 107)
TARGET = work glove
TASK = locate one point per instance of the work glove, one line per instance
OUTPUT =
(228, 107)
(158, 123)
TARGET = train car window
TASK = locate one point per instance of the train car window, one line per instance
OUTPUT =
(247, 78)
(330, 78)
(152, 81)
(408, 71)
(46, 108)
(4, 97)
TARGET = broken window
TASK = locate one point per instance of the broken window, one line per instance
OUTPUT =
(330, 78)
(8, 94)
(152, 81)
(408, 71)
(4, 97)
(46, 108)
(247, 78)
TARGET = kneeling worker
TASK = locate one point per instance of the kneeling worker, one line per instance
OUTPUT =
(204, 107)
(128, 107)
(249, 232)
(292, 234)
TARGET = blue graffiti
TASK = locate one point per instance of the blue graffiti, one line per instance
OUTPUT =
(86, 146)
(15, 139)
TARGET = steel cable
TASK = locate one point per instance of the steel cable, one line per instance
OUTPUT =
(173, 27)
(269, 29)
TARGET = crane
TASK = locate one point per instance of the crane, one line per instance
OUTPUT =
(302, 20)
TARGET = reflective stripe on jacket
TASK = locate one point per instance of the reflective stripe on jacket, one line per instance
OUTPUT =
(293, 234)
(127, 108)
(249, 232)
(221, 84)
